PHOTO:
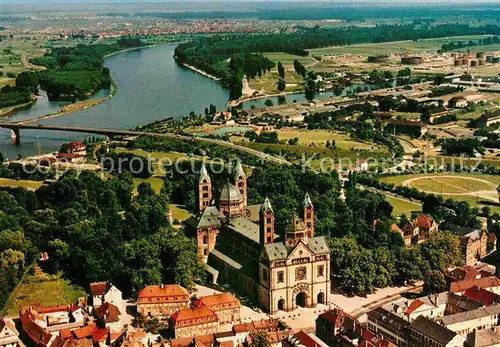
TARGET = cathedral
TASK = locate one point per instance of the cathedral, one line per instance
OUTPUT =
(240, 247)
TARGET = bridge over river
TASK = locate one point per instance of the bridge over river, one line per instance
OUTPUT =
(17, 127)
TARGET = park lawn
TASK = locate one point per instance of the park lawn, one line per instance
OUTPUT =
(31, 185)
(393, 47)
(402, 206)
(319, 138)
(179, 212)
(47, 292)
(451, 185)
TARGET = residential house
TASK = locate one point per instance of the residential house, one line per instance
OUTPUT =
(465, 272)
(485, 297)
(77, 147)
(105, 292)
(368, 339)
(225, 305)
(109, 314)
(420, 228)
(190, 322)
(162, 300)
(332, 324)
(491, 284)
(466, 322)
(34, 329)
(473, 243)
(388, 325)
(424, 332)
(488, 119)
(9, 336)
(394, 126)
(304, 339)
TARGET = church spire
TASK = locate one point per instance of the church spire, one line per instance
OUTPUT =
(238, 172)
(266, 223)
(308, 215)
(307, 201)
(204, 191)
(203, 174)
(240, 181)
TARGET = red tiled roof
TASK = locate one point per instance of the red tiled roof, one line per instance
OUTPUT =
(188, 341)
(243, 327)
(484, 282)
(212, 301)
(481, 295)
(99, 288)
(463, 273)
(38, 334)
(424, 221)
(58, 342)
(65, 334)
(100, 334)
(163, 293)
(108, 312)
(305, 339)
(335, 317)
(188, 316)
(413, 306)
(84, 332)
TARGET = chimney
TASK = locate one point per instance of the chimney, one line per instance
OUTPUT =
(162, 286)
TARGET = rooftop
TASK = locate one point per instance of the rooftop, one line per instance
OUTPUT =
(99, 288)
(164, 291)
(217, 299)
(432, 330)
(188, 316)
(471, 315)
(485, 282)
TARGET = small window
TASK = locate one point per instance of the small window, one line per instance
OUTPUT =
(205, 188)
(321, 270)
(281, 277)
(264, 275)
(269, 230)
(268, 220)
(308, 215)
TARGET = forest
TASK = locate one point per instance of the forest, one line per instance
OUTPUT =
(210, 53)
(74, 73)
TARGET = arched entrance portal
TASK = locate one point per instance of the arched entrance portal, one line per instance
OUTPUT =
(300, 300)
(281, 304)
(321, 298)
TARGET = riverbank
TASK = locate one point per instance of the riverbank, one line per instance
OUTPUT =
(201, 72)
(236, 103)
(10, 110)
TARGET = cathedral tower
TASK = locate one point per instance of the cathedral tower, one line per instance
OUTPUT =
(204, 191)
(308, 215)
(266, 223)
(240, 181)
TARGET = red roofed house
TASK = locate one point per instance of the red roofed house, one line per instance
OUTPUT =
(9, 336)
(110, 315)
(304, 339)
(77, 147)
(481, 295)
(162, 300)
(105, 292)
(371, 340)
(225, 305)
(194, 322)
(491, 283)
(420, 228)
(332, 323)
(35, 328)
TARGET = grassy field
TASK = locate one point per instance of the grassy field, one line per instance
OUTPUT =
(267, 83)
(287, 59)
(393, 47)
(156, 183)
(453, 185)
(402, 206)
(179, 212)
(319, 138)
(44, 290)
(7, 182)
(399, 179)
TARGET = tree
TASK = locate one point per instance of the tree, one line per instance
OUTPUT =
(27, 80)
(439, 79)
(269, 103)
(1, 158)
(388, 74)
(281, 84)
(258, 338)
(281, 70)
(434, 282)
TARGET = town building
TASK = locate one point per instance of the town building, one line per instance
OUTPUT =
(473, 243)
(105, 292)
(303, 339)
(109, 314)
(190, 322)
(484, 338)
(241, 247)
(395, 126)
(419, 229)
(77, 147)
(225, 305)
(488, 119)
(333, 325)
(491, 284)
(388, 326)
(457, 102)
(424, 332)
(464, 323)
(9, 336)
(162, 300)
(466, 272)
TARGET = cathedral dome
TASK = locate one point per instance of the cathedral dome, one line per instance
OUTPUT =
(230, 193)
(295, 225)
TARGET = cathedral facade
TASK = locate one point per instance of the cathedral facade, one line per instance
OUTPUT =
(240, 246)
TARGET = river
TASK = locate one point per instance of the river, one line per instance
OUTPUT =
(152, 86)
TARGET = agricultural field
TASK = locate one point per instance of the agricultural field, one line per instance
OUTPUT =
(267, 83)
(35, 289)
(287, 59)
(419, 46)
(30, 185)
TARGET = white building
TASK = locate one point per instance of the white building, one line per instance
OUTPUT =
(9, 336)
(464, 323)
(105, 292)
